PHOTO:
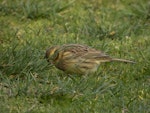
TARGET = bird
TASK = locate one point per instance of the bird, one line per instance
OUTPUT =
(78, 59)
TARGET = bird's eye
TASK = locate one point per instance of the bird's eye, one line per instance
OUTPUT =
(54, 56)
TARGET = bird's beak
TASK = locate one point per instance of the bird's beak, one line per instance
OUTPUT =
(49, 61)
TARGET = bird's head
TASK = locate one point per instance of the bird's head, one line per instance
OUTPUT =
(51, 53)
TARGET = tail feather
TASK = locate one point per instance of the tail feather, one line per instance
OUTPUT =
(123, 60)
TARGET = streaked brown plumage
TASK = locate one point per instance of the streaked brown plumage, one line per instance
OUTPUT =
(78, 59)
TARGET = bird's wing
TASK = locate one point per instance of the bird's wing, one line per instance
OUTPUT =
(74, 50)
(97, 56)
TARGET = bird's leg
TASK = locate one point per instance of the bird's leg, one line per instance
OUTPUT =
(70, 76)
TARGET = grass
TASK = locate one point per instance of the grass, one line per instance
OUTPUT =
(29, 85)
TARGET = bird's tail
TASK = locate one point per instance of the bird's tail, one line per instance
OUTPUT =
(123, 60)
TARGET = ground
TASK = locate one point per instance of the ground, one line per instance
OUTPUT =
(119, 28)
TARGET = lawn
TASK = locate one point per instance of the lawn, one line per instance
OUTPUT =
(120, 28)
